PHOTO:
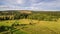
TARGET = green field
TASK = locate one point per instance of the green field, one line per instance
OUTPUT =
(30, 23)
(36, 27)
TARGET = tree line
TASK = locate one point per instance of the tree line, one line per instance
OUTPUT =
(47, 16)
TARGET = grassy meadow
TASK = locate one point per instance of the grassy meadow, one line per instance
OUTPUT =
(29, 22)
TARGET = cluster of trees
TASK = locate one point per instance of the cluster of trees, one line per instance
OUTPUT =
(47, 16)
(12, 15)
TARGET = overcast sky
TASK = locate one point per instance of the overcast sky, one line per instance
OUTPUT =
(29, 4)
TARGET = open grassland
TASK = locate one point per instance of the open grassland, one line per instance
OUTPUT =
(29, 22)
(34, 26)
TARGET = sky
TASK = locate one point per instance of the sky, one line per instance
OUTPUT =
(30, 5)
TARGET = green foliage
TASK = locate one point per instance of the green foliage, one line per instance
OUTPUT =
(47, 16)
(11, 29)
(3, 28)
(24, 15)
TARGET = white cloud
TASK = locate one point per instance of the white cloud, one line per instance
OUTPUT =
(20, 1)
(13, 4)
(47, 5)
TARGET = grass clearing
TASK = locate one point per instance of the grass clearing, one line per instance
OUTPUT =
(41, 27)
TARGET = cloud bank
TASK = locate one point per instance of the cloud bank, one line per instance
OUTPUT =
(29, 4)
